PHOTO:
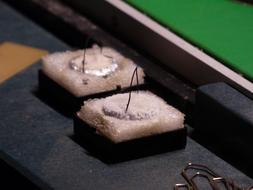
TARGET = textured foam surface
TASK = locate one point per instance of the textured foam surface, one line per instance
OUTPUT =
(222, 28)
(71, 77)
(147, 115)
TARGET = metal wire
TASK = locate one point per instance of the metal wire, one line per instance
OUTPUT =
(84, 52)
(213, 179)
(135, 73)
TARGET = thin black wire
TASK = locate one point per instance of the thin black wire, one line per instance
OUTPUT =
(135, 73)
(137, 78)
(84, 52)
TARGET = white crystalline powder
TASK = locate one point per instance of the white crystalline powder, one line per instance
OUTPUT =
(147, 115)
(105, 69)
(140, 107)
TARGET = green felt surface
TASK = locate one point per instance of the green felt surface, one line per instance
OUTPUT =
(222, 28)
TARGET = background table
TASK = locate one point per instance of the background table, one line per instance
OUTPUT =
(38, 142)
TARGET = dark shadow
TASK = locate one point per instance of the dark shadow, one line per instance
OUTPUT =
(11, 179)
(51, 102)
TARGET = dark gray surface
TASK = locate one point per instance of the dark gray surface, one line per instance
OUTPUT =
(227, 105)
(15, 27)
(231, 123)
(35, 139)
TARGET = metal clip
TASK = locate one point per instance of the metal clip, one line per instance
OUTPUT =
(213, 179)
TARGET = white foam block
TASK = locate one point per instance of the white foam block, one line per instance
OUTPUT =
(147, 115)
(105, 69)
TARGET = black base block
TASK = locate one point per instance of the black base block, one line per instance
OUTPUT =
(109, 151)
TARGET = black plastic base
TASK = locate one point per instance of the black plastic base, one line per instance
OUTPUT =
(109, 151)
